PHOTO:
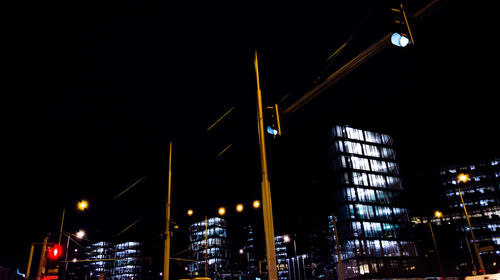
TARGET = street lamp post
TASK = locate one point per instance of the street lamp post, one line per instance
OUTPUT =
(464, 178)
(437, 214)
(266, 188)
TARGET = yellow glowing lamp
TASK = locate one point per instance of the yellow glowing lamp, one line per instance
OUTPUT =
(222, 211)
(82, 205)
(256, 204)
(463, 178)
(438, 214)
(190, 212)
(239, 208)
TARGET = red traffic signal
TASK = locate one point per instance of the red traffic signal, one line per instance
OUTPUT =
(54, 252)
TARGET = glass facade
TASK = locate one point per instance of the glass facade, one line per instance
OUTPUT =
(120, 261)
(208, 243)
(372, 219)
(281, 257)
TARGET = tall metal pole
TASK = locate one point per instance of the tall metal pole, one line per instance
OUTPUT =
(30, 259)
(166, 259)
(474, 241)
(206, 246)
(266, 187)
(437, 251)
(41, 264)
(62, 223)
(339, 256)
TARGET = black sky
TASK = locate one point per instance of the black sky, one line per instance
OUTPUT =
(92, 93)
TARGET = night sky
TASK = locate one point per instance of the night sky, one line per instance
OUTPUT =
(92, 94)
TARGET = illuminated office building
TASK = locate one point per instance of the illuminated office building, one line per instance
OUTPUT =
(481, 195)
(372, 219)
(281, 257)
(117, 261)
(209, 247)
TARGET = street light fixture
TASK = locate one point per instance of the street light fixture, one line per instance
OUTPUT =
(82, 205)
(80, 234)
(437, 214)
(465, 178)
(256, 204)
(222, 211)
(239, 208)
(190, 212)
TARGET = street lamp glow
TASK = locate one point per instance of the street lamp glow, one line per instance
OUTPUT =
(463, 178)
(286, 238)
(82, 205)
(256, 204)
(438, 214)
(80, 234)
(190, 212)
(222, 211)
(239, 208)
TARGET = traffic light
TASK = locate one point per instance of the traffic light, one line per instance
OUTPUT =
(54, 252)
(402, 35)
(273, 126)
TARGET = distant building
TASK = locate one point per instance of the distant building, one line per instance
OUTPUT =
(282, 259)
(373, 222)
(481, 195)
(209, 247)
(117, 261)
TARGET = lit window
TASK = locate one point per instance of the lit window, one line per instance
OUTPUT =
(386, 139)
(377, 180)
(372, 137)
(371, 150)
(360, 163)
(355, 134)
(353, 148)
(378, 166)
(360, 178)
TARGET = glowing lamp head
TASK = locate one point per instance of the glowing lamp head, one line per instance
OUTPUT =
(239, 208)
(399, 40)
(463, 178)
(438, 214)
(80, 234)
(256, 204)
(222, 211)
(190, 212)
(286, 238)
(82, 205)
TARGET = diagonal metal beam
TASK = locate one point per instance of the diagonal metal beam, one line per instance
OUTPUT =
(364, 56)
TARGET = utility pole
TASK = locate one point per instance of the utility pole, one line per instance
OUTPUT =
(337, 243)
(41, 264)
(166, 259)
(61, 229)
(266, 187)
(474, 241)
(437, 251)
(206, 246)
(30, 259)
